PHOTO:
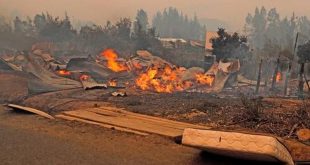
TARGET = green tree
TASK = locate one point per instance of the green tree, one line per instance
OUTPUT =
(141, 22)
(23, 27)
(270, 35)
(172, 23)
(123, 28)
(55, 29)
(141, 38)
(304, 29)
(40, 21)
(229, 46)
(304, 52)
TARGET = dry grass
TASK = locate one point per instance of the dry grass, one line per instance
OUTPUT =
(253, 107)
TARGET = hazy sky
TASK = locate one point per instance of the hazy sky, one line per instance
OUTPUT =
(231, 11)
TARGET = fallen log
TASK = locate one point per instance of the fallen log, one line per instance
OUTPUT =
(238, 145)
(32, 110)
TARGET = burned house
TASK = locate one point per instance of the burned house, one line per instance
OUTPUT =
(172, 43)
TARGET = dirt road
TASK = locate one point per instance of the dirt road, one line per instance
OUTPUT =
(29, 139)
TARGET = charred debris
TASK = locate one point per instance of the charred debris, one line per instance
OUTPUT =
(224, 80)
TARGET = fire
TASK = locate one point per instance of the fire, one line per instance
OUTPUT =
(112, 64)
(64, 72)
(205, 79)
(84, 77)
(112, 83)
(168, 80)
(137, 65)
(278, 77)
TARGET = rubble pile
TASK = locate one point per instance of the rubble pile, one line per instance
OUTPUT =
(143, 71)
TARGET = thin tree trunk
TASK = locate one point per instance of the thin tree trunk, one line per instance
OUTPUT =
(301, 80)
(307, 82)
(259, 76)
(287, 78)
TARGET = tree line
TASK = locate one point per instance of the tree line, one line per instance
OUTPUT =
(124, 34)
(20, 34)
(266, 36)
(271, 36)
(173, 23)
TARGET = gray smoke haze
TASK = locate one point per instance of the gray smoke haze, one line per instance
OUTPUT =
(231, 12)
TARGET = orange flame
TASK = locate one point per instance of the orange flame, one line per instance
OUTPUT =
(112, 83)
(168, 80)
(137, 65)
(278, 77)
(205, 79)
(84, 77)
(112, 64)
(63, 72)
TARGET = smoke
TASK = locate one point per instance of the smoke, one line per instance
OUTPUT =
(99, 11)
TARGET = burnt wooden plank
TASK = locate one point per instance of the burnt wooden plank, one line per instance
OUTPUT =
(100, 124)
(120, 118)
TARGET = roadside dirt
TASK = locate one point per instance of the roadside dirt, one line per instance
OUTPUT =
(34, 140)
(277, 116)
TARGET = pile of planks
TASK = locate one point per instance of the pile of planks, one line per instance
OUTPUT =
(119, 119)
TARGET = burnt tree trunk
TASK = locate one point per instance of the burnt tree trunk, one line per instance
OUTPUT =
(287, 78)
(259, 76)
(301, 80)
(307, 82)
